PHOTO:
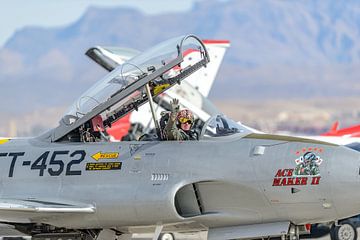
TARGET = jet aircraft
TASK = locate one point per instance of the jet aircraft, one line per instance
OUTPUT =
(71, 182)
(353, 131)
(348, 228)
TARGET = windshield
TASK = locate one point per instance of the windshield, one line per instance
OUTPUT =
(220, 126)
(134, 70)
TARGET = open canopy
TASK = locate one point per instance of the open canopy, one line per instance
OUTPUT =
(110, 57)
(123, 89)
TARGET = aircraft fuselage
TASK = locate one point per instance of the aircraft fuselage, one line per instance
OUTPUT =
(230, 181)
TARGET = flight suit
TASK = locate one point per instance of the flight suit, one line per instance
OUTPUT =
(172, 132)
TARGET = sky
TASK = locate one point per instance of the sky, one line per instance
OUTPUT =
(16, 14)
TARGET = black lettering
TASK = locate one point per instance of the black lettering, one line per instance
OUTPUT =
(26, 163)
(40, 163)
(59, 162)
(12, 165)
(70, 172)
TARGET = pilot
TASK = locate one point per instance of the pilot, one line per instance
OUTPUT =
(179, 125)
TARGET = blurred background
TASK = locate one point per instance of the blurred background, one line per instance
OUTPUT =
(293, 66)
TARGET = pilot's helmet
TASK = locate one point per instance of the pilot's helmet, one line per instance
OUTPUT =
(184, 116)
(309, 157)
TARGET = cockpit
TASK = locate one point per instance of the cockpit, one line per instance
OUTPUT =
(143, 78)
(137, 81)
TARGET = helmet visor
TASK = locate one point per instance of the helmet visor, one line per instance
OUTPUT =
(185, 120)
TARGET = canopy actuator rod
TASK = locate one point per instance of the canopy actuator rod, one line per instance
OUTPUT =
(151, 102)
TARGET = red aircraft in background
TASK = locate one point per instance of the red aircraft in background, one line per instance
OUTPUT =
(353, 131)
(349, 136)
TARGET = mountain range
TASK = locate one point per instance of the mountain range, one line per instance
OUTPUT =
(279, 50)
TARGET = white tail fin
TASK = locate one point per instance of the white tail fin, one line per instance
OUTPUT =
(203, 79)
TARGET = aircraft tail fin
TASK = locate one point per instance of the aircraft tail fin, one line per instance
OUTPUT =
(204, 78)
(335, 126)
(353, 131)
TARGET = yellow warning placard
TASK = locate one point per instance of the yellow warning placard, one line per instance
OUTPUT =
(103, 166)
(107, 155)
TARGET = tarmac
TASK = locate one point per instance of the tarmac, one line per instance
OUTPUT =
(203, 236)
(197, 236)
